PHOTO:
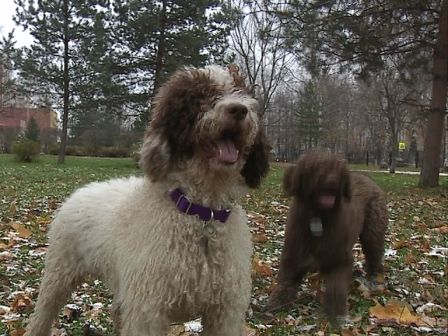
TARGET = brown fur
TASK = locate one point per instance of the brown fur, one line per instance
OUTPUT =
(178, 114)
(359, 210)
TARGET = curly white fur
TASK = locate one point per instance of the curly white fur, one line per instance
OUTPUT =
(161, 265)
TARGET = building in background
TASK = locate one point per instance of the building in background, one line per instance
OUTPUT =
(14, 120)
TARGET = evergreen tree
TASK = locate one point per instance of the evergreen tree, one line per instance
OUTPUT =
(309, 116)
(7, 82)
(47, 65)
(101, 97)
(32, 131)
(157, 37)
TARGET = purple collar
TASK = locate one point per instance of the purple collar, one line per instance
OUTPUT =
(184, 205)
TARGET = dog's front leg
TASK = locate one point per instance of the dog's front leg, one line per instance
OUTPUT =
(222, 321)
(336, 292)
(134, 322)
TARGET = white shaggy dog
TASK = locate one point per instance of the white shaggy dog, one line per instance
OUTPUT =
(172, 245)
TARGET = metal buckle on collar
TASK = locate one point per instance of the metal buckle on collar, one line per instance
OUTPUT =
(212, 215)
(186, 199)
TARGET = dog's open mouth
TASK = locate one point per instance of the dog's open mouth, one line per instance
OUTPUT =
(327, 200)
(223, 151)
(226, 151)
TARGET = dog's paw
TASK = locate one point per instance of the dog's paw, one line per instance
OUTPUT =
(377, 284)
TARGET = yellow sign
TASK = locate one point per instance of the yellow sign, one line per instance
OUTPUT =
(401, 145)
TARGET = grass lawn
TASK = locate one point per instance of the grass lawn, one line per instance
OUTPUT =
(415, 302)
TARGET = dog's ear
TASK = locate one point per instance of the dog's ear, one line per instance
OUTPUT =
(294, 182)
(257, 162)
(291, 183)
(175, 110)
(346, 185)
(155, 156)
(177, 107)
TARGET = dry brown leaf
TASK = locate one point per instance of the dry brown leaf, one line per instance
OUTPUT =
(18, 332)
(425, 246)
(257, 218)
(399, 244)
(13, 209)
(410, 259)
(396, 312)
(4, 310)
(43, 221)
(441, 229)
(349, 332)
(260, 269)
(178, 330)
(250, 331)
(21, 303)
(3, 246)
(271, 287)
(259, 238)
(22, 231)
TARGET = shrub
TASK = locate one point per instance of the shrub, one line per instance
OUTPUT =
(76, 151)
(114, 152)
(135, 154)
(26, 150)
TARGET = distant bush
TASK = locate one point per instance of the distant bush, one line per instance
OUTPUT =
(53, 149)
(135, 153)
(26, 150)
(114, 152)
(76, 151)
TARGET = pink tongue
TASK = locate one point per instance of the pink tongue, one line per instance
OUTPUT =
(327, 201)
(227, 152)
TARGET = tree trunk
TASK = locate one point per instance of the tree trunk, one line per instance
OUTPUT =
(66, 93)
(429, 176)
(393, 152)
(160, 50)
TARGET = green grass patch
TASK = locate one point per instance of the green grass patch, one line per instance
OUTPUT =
(416, 272)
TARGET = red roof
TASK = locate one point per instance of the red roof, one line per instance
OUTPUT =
(18, 117)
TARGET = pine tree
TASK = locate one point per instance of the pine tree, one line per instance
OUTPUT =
(7, 82)
(47, 65)
(100, 95)
(157, 37)
(309, 116)
(32, 131)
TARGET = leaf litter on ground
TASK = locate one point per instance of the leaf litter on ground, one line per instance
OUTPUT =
(415, 300)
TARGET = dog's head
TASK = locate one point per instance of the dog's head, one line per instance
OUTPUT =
(206, 117)
(320, 180)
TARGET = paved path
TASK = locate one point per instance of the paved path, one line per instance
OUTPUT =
(396, 172)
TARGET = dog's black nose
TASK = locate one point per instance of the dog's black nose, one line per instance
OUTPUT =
(237, 111)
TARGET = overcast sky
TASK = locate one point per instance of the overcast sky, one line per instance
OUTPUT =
(7, 10)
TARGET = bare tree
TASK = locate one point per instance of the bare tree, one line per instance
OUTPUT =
(258, 41)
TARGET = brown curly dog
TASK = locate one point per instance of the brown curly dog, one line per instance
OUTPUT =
(331, 208)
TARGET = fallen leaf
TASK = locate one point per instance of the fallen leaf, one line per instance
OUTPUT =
(4, 310)
(260, 269)
(441, 229)
(21, 303)
(399, 244)
(22, 231)
(259, 238)
(397, 312)
(18, 332)
(250, 331)
(177, 330)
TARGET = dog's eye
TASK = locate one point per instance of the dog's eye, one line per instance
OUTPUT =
(235, 90)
